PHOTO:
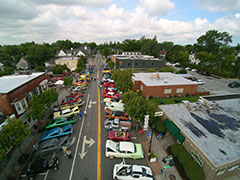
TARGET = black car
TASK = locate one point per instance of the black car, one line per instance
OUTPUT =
(234, 84)
(39, 165)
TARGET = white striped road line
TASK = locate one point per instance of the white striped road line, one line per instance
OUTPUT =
(79, 135)
(48, 169)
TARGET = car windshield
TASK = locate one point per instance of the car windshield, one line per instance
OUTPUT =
(144, 172)
(129, 170)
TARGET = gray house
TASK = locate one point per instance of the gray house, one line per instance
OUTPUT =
(23, 64)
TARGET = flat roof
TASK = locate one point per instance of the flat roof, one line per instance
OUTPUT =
(161, 79)
(216, 133)
(8, 83)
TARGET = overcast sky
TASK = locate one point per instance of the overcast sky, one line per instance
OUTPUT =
(180, 21)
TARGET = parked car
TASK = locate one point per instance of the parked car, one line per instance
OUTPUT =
(69, 100)
(119, 136)
(106, 91)
(79, 103)
(124, 171)
(39, 165)
(200, 81)
(56, 132)
(108, 84)
(66, 112)
(117, 124)
(111, 95)
(50, 146)
(123, 150)
(75, 95)
(115, 106)
(234, 84)
(61, 121)
(110, 100)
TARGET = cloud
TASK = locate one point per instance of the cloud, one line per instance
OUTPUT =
(52, 22)
(157, 7)
(219, 5)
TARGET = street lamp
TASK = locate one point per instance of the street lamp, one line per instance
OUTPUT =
(149, 149)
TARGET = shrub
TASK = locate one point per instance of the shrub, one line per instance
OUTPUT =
(187, 94)
(184, 157)
(160, 127)
(182, 71)
(177, 149)
(193, 171)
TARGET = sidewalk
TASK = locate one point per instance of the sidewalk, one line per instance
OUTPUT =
(157, 147)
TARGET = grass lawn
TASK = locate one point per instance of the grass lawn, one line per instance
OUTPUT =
(173, 100)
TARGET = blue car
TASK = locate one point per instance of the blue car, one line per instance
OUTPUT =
(56, 132)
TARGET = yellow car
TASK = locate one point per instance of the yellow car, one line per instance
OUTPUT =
(109, 100)
(72, 105)
(66, 112)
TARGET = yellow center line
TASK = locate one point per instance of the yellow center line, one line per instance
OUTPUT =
(99, 135)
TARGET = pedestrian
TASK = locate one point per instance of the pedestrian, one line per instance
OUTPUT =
(69, 154)
(80, 114)
(159, 136)
(64, 149)
(85, 113)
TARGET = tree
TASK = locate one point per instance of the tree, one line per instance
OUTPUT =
(213, 41)
(123, 80)
(36, 108)
(59, 69)
(14, 133)
(48, 97)
(194, 171)
(81, 64)
(67, 81)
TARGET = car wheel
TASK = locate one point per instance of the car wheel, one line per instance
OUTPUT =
(31, 177)
(55, 168)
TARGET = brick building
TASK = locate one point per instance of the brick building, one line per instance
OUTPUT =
(163, 84)
(17, 90)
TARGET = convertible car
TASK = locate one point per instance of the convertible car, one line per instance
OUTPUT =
(66, 112)
(61, 121)
(119, 136)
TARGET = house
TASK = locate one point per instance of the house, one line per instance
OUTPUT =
(192, 59)
(23, 64)
(163, 84)
(71, 62)
(210, 132)
(50, 63)
(82, 51)
(137, 61)
(17, 90)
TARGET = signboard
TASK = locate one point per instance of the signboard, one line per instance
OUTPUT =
(146, 119)
(158, 114)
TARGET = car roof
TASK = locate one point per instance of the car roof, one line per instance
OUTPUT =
(49, 142)
(66, 111)
(112, 145)
(127, 146)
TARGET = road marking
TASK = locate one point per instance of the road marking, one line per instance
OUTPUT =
(48, 169)
(99, 136)
(85, 141)
(79, 135)
(73, 141)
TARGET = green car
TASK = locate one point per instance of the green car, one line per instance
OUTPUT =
(61, 121)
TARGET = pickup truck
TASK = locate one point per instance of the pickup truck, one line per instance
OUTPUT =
(117, 124)
(117, 114)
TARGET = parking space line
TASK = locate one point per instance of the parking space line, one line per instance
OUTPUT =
(79, 135)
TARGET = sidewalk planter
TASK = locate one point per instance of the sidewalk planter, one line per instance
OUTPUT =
(152, 157)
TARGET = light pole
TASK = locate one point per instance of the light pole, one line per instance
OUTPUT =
(149, 150)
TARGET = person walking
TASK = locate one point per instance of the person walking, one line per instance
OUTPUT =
(85, 113)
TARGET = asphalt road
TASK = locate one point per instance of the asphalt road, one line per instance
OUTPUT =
(89, 161)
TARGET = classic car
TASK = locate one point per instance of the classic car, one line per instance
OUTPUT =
(124, 171)
(79, 103)
(108, 84)
(56, 132)
(61, 121)
(111, 95)
(118, 136)
(66, 112)
(69, 100)
(110, 100)
(123, 150)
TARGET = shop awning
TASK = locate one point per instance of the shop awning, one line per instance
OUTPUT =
(180, 137)
(173, 129)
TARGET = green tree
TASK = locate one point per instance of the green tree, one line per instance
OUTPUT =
(81, 64)
(59, 69)
(177, 149)
(123, 80)
(67, 81)
(48, 97)
(184, 157)
(194, 171)
(213, 41)
(36, 108)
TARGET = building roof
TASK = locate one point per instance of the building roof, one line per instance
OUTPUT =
(161, 79)
(136, 57)
(215, 132)
(8, 83)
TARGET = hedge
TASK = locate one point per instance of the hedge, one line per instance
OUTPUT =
(160, 127)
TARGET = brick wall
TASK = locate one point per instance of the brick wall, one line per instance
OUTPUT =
(6, 99)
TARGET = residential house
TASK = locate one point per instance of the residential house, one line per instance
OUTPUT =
(17, 90)
(23, 64)
(82, 51)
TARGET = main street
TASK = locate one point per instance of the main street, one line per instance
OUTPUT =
(88, 150)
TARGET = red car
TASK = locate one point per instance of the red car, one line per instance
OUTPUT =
(111, 95)
(107, 84)
(69, 100)
(119, 136)
(106, 91)
(76, 95)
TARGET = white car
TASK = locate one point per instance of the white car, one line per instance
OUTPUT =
(124, 171)
(200, 81)
(123, 150)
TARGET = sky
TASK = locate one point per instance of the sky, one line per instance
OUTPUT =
(179, 21)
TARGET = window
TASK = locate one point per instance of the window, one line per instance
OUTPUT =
(135, 64)
(167, 91)
(128, 64)
(18, 107)
(141, 87)
(23, 103)
(179, 90)
(37, 91)
(21, 106)
(29, 95)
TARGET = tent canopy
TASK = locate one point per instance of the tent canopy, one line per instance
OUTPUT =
(59, 82)
(173, 129)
